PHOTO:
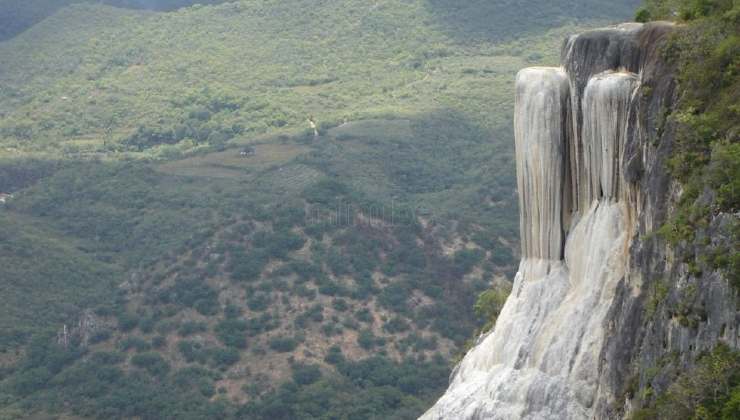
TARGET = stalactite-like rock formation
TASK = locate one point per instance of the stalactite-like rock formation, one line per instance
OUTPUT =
(578, 135)
(540, 132)
(606, 103)
(584, 56)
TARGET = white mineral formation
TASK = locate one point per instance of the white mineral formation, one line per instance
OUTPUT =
(540, 119)
(543, 359)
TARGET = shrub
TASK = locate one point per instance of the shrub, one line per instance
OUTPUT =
(137, 343)
(192, 292)
(334, 356)
(284, 242)
(265, 322)
(106, 358)
(330, 329)
(306, 374)
(364, 315)
(642, 15)
(127, 321)
(154, 363)
(283, 344)
(247, 267)
(232, 332)
(396, 325)
(191, 327)
(366, 339)
(225, 357)
(259, 301)
(194, 378)
(466, 259)
(159, 342)
(192, 351)
(489, 304)
(232, 311)
(340, 305)
(395, 297)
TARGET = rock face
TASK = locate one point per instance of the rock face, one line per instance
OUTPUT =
(575, 337)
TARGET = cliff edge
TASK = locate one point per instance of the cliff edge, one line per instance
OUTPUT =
(582, 333)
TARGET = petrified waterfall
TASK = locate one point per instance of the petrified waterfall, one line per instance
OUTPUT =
(541, 159)
(545, 358)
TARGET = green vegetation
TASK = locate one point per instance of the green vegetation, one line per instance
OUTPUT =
(706, 157)
(19, 15)
(711, 390)
(489, 305)
(225, 75)
(103, 389)
(46, 277)
(375, 387)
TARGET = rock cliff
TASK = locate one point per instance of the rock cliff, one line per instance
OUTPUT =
(583, 327)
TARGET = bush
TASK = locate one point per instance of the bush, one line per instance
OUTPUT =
(489, 304)
(192, 292)
(159, 342)
(334, 356)
(283, 344)
(247, 267)
(232, 311)
(133, 342)
(395, 297)
(364, 315)
(306, 374)
(265, 322)
(466, 259)
(192, 351)
(367, 340)
(194, 378)
(107, 358)
(396, 325)
(232, 332)
(502, 256)
(191, 327)
(642, 15)
(259, 301)
(340, 305)
(154, 363)
(225, 357)
(313, 314)
(281, 243)
(127, 321)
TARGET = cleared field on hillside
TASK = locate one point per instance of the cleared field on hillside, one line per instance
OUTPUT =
(231, 164)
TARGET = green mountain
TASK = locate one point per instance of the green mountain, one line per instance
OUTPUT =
(257, 209)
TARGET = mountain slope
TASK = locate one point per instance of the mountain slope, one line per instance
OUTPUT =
(268, 65)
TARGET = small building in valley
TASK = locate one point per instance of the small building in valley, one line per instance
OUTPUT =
(247, 151)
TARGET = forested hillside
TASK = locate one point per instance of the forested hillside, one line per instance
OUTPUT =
(257, 209)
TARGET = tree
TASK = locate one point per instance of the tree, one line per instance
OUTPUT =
(489, 304)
